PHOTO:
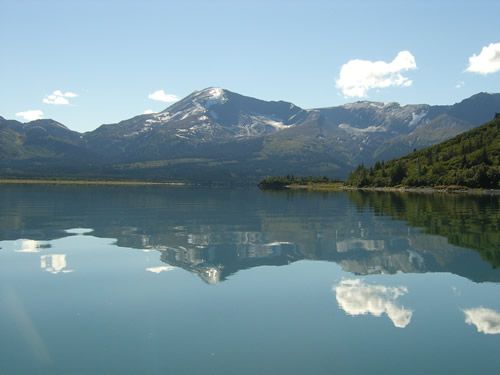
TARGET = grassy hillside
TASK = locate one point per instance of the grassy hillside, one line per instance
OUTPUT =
(470, 159)
(290, 181)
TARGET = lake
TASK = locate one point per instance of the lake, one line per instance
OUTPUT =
(180, 280)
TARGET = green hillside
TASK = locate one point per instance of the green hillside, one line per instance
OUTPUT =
(471, 159)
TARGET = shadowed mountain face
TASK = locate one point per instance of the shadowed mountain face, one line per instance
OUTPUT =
(217, 135)
(217, 233)
(39, 138)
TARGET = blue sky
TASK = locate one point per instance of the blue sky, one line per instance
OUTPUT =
(113, 54)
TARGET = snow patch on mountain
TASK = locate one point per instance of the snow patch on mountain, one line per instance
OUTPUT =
(273, 122)
(158, 118)
(276, 124)
(210, 97)
(257, 125)
(416, 118)
(368, 104)
(359, 131)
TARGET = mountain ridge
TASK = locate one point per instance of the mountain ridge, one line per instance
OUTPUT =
(216, 134)
(470, 159)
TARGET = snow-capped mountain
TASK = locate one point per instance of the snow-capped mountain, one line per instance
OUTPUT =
(216, 134)
(364, 132)
(210, 115)
(215, 113)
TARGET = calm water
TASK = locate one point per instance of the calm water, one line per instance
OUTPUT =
(190, 281)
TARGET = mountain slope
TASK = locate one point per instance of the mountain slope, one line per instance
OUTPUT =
(189, 127)
(363, 132)
(241, 137)
(470, 159)
(215, 134)
(44, 139)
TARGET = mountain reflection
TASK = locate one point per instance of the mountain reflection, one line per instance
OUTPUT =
(467, 221)
(213, 262)
(216, 233)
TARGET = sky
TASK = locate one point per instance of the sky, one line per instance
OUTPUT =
(87, 63)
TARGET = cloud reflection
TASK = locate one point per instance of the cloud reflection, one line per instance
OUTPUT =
(357, 298)
(79, 230)
(29, 246)
(486, 320)
(54, 263)
(160, 269)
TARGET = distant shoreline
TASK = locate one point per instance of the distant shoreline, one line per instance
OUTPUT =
(312, 187)
(331, 187)
(430, 190)
(34, 181)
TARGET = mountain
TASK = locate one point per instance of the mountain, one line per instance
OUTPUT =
(470, 159)
(194, 125)
(25, 147)
(40, 137)
(218, 135)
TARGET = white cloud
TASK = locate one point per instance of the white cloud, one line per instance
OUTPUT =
(160, 269)
(460, 84)
(148, 111)
(486, 320)
(357, 298)
(162, 96)
(357, 77)
(488, 60)
(59, 98)
(31, 115)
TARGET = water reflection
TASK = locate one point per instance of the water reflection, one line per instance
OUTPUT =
(466, 221)
(485, 320)
(215, 259)
(31, 246)
(25, 327)
(54, 263)
(216, 233)
(79, 230)
(358, 298)
(160, 269)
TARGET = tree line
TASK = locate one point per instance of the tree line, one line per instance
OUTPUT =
(471, 159)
